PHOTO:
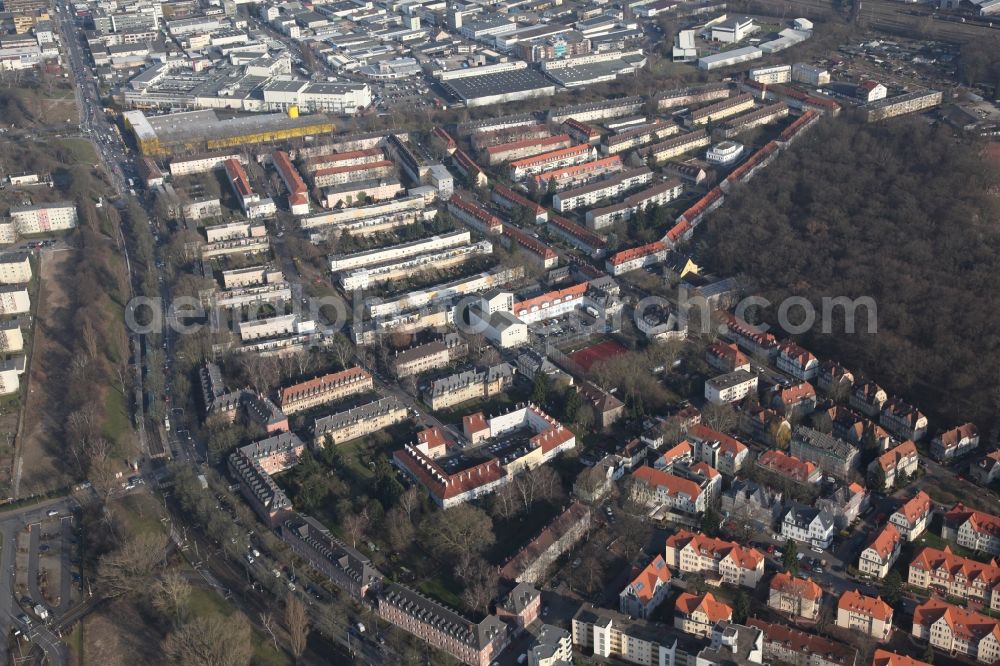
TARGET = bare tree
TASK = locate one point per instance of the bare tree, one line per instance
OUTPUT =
(720, 417)
(526, 488)
(211, 641)
(355, 525)
(267, 621)
(480, 585)
(297, 623)
(593, 570)
(171, 593)
(548, 485)
(399, 528)
(342, 350)
(128, 569)
(505, 501)
(409, 501)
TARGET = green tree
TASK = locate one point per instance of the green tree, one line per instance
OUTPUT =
(928, 655)
(790, 558)
(892, 587)
(710, 522)
(540, 392)
(741, 609)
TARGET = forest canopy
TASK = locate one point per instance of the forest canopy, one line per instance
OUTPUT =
(902, 212)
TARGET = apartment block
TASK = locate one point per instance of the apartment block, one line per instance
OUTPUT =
(833, 456)
(697, 614)
(730, 387)
(950, 575)
(614, 636)
(343, 566)
(428, 356)
(659, 194)
(516, 150)
(785, 645)
(678, 145)
(468, 385)
(727, 561)
(327, 388)
(956, 442)
(358, 421)
(555, 159)
(972, 529)
(798, 597)
(913, 517)
(202, 163)
(902, 461)
(14, 299)
(398, 252)
(44, 218)
(15, 268)
(352, 173)
(868, 615)
(724, 109)
(589, 195)
(881, 553)
(11, 339)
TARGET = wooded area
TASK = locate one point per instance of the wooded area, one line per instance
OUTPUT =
(901, 212)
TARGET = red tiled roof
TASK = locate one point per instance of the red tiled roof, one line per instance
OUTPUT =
(575, 230)
(787, 465)
(862, 605)
(716, 611)
(886, 658)
(966, 624)
(474, 422)
(805, 644)
(612, 163)
(951, 438)
(550, 298)
(890, 459)
(916, 508)
(552, 156)
(517, 199)
(527, 143)
(800, 587)
(743, 557)
(705, 469)
(645, 584)
(327, 381)
(293, 181)
(955, 566)
(238, 177)
(793, 395)
(681, 450)
(981, 522)
(885, 542)
(527, 242)
(703, 433)
(793, 351)
(674, 485)
(439, 482)
(637, 252)
(729, 353)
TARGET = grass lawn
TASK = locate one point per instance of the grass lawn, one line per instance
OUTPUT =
(81, 149)
(264, 652)
(204, 602)
(116, 422)
(141, 512)
(436, 590)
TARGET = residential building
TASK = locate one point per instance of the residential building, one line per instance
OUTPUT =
(726, 357)
(913, 517)
(588, 195)
(14, 299)
(881, 553)
(955, 442)
(358, 421)
(886, 658)
(772, 74)
(868, 398)
(327, 388)
(654, 487)
(950, 575)
(972, 529)
(11, 338)
(555, 159)
(724, 453)
(530, 564)
(750, 502)
(43, 218)
(554, 647)
(429, 356)
(732, 645)
(647, 590)
(987, 469)
(400, 251)
(259, 489)
(957, 630)
(277, 453)
(845, 504)
(727, 561)
(785, 645)
(895, 465)
(613, 636)
(869, 615)
(812, 76)
(475, 644)
(342, 565)
(789, 467)
(730, 106)
(636, 258)
(795, 401)
(903, 420)
(808, 525)
(468, 385)
(697, 614)
(833, 378)
(833, 456)
(730, 387)
(750, 338)
(522, 606)
(15, 268)
(607, 408)
(798, 597)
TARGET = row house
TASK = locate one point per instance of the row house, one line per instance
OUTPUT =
(860, 431)
(511, 200)
(868, 398)
(832, 378)
(729, 561)
(972, 529)
(647, 590)
(343, 566)
(808, 525)
(956, 630)
(833, 456)
(697, 614)
(845, 504)
(327, 388)
(912, 518)
(789, 467)
(878, 556)
(796, 401)
(785, 645)
(797, 361)
(259, 490)
(555, 159)
(724, 453)
(475, 644)
(726, 357)
(868, 615)
(896, 464)
(798, 597)
(947, 574)
(749, 337)
(955, 442)
(358, 421)
(903, 420)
